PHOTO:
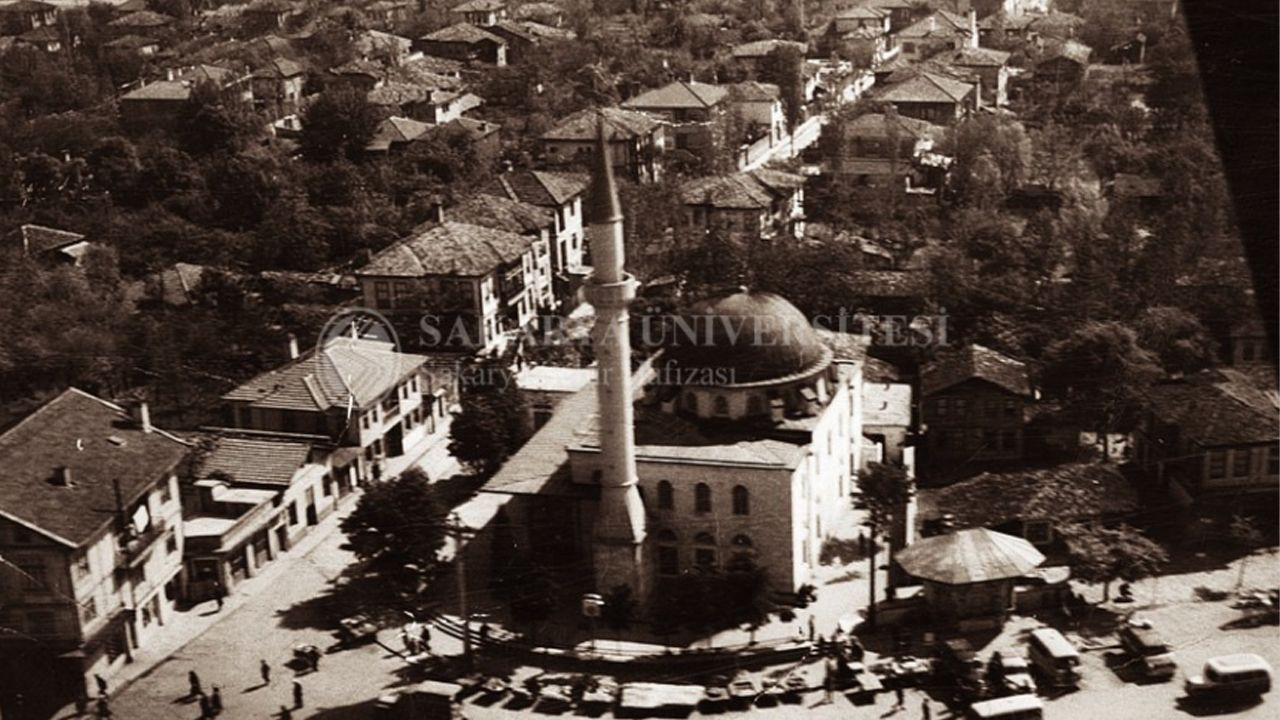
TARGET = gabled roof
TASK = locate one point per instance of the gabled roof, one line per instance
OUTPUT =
(752, 91)
(538, 187)
(502, 213)
(280, 67)
(1217, 408)
(256, 461)
(346, 371)
(142, 19)
(679, 94)
(452, 249)
(100, 446)
(479, 6)
(863, 12)
(757, 189)
(927, 88)
(1066, 493)
(131, 41)
(976, 57)
(940, 24)
(975, 362)
(463, 33)
(875, 125)
(1076, 52)
(619, 124)
(475, 128)
(539, 31)
(762, 48)
(395, 130)
(369, 40)
(38, 239)
(517, 29)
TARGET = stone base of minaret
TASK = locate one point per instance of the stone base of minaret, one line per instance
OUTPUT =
(620, 563)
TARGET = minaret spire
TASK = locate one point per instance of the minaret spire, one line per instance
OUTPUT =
(618, 536)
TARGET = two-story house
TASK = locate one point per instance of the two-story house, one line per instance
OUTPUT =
(362, 399)
(481, 12)
(690, 111)
(759, 105)
(92, 541)
(973, 405)
(1212, 437)
(941, 30)
(388, 13)
(278, 85)
(932, 97)
(160, 104)
(867, 151)
(520, 218)
(464, 42)
(24, 16)
(460, 285)
(754, 204)
(562, 194)
(634, 139)
(867, 27)
(991, 67)
(755, 56)
(268, 15)
(1061, 62)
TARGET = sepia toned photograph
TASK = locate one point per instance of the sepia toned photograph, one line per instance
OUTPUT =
(519, 359)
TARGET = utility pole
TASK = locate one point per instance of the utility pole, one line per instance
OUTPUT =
(458, 531)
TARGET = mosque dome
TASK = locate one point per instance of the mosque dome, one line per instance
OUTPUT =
(746, 337)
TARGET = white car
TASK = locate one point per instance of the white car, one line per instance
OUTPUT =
(1015, 675)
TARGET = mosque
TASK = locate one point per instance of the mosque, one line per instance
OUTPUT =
(740, 438)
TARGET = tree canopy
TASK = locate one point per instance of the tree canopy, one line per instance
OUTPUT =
(398, 527)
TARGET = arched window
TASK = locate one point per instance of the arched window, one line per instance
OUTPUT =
(668, 553)
(741, 501)
(702, 498)
(744, 554)
(704, 551)
(666, 496)
(721, 405)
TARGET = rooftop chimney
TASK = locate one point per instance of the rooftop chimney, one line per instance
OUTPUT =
(293, 346)
(61, 476)
(142, 415)
(437, 209)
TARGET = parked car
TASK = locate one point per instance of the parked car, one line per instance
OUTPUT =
(1055, 657)
(1231, 676)
(958, 662)
(1150, 650)
(1015, 676)
(1014, 707)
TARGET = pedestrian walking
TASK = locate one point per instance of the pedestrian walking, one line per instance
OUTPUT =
(862, 542)
(265, 670)
(206, 708)
(102, 684)
(219, 593)
(829, 682)
(297, 694)
(926, 711)
(900, 697)
(194, 681)
(104, 709)
(215, 700)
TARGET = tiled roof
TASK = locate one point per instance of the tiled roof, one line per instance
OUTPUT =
(480, 6)
(927, 88)
(132, 41)
(1007, 22)
(475, 128)
(368, 41)
(540, 31)
(279, 67)
(463, 33)
(875, 125)
(345, 371)
(256, 461)
(975, 362)
(27, 6)
(941, 24)
(762, 48)
(502, 213)
(1067, 493)
(618, 124)
(749, 190)
(538, 187)
(517, 29)
(753, 91)
(41, 36)
(1217, 407)
(544, 459)
(451, 248)
(977, 57)
(969, 556)
(679, 94)
(38, 239)
(862, 12)
(100, 446)
(142, 18)
(396, 130)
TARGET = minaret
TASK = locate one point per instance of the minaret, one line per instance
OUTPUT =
(618, 537)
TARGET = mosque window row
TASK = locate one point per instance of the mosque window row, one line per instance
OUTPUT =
(705, 551)
(702, 498)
